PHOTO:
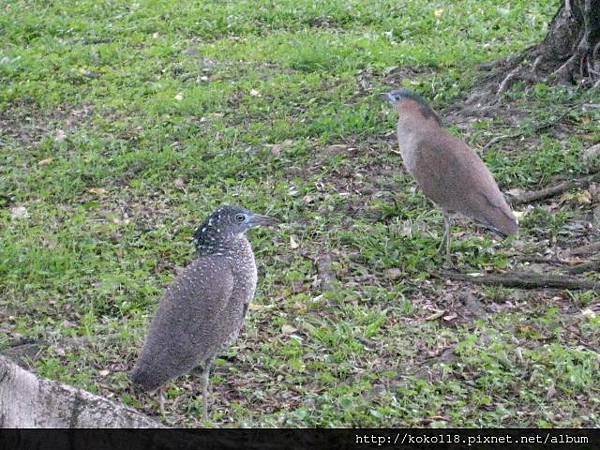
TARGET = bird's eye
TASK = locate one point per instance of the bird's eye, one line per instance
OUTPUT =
(239, 218)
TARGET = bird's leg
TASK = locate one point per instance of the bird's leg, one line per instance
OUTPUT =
(204, 381)
(446, 238)
(448, 233)
(161, 400)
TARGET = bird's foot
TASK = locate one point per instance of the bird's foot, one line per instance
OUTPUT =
(161, 400)
(447, 262)
(443, 251)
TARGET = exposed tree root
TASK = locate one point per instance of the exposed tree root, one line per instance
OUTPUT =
(27, 401)
(531, 196)
(569, 54)
(571, 266)
(523, 72)
(589, 249)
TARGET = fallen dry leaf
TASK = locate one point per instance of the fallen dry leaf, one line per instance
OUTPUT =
(60, 135)
(519, 214)
(288, 329)
(45, 162)
(588, 312)
(19, 212)
(293, 244)
(436, 315)
(515, 192)
(393, 274)
(98, 191)
(276, 148)
(335, 149)
(584, 197)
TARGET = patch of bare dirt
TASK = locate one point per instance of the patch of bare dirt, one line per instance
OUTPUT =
(394, 77)
(30, 125)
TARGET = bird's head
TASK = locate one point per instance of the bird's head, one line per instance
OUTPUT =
(398, 95)
(226, 223)
(409, 103)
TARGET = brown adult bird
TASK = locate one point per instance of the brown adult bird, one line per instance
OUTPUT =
(448, 172)
(203, 309)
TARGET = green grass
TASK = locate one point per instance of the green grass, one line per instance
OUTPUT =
(124, 124)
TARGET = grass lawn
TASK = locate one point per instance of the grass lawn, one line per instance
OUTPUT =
(124, 124)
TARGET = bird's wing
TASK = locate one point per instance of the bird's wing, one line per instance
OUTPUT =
(200, 293)
(456, 179)
(192, 321)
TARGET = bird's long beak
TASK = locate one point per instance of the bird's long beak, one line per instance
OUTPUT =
(258, 220)
(387, 97)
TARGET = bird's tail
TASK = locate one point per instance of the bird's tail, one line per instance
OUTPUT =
(144, 379)
(510, 228)
(491, 209)
(503, 221)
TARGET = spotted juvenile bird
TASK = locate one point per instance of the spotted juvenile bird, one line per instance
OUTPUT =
(203, 309)
(448, 172)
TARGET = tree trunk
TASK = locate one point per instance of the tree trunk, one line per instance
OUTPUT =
(569, 54)
(29, 401)
(570, 51)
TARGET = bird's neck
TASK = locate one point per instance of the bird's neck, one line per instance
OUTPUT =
(415, 128)
(233, 246)
(411, 132)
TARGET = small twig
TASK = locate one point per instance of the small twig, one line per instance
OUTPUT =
(530, 196)
(587, 106)
(554, 261)
(588, 249)
(497, 139)
(523, 280)
(540, 127)
(585, 267)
